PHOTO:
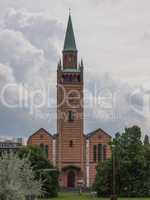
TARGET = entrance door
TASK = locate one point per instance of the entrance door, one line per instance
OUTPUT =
(71, 179)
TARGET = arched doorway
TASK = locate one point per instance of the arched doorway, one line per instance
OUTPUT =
(71, 179)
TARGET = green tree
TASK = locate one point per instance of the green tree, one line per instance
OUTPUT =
(43, 169)
(17, 178)
(102, 184)
(131, 166)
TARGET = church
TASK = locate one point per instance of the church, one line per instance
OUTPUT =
(75, 153)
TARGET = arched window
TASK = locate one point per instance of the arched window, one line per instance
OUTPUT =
(105, 152)
(46, 150)
(94, 153)
(100, 152)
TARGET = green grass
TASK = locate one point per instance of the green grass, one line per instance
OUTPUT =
(85, 196)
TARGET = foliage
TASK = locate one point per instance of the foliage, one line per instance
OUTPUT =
(17, 178)
(43, 168)
(102, 185)
(132, 166)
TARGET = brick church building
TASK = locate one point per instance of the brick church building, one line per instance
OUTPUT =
(73, 152)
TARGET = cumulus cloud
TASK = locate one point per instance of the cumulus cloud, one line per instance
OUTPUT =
(20, 54)
(113, 104)
(38, 28)
(114, 40)
(28, 63)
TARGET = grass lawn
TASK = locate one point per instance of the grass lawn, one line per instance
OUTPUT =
(75, 196)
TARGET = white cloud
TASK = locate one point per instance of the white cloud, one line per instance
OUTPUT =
(6, 74)
(113, 104)
(38, 28)
(25, 62)
(113, 37)
(19, 54)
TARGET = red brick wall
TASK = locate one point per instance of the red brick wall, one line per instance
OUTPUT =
(73, 156)
(42, 137)
(70, 130)
(99, 137)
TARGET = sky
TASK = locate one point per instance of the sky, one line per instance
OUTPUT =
(113, 39)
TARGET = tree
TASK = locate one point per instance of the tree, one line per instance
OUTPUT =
(43, 169)
(17, 178)
(102, 184)
(146, 140)
(132, 166)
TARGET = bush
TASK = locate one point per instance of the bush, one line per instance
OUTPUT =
(17, 178)
(43, 169)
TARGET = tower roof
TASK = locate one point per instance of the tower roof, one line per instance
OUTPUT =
(69, 44)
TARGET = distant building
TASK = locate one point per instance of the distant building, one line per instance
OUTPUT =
(73, 152)
(7, 146)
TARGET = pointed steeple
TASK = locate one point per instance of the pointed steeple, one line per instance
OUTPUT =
(69, 44)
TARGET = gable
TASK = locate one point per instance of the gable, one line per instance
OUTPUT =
(40, 134)
(98, 132)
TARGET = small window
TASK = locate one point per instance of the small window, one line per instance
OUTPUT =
(71, 143)
(46, 150)
(94, 153)
(71, 116)
(105, 152)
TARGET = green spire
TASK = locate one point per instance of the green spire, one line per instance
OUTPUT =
(69, 44)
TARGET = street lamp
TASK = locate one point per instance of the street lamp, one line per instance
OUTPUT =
(113, 196)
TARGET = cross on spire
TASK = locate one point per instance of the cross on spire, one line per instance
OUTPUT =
(69, 11)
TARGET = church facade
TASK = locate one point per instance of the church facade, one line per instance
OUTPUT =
(73, 152)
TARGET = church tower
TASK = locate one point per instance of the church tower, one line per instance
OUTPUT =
(74, 153)
(70, 112)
